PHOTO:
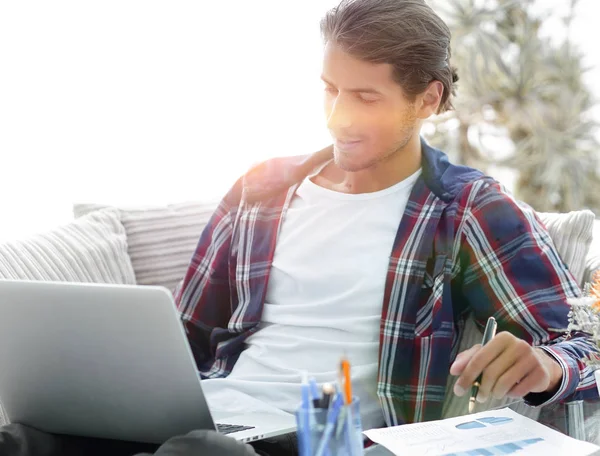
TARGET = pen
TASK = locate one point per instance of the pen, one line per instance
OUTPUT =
(305, 414)
(347, 415)
(488, 334)
(345, 367)
(314, 392)
(328, 392)
(332, 416)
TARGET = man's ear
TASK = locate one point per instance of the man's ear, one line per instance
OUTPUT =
(430, 99)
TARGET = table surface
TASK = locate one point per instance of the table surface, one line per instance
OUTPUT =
(557, 416)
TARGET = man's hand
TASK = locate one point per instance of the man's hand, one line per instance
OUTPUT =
(510, 366)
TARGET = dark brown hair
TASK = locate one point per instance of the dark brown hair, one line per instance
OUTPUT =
(407, 34)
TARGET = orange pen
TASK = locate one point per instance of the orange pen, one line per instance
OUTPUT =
(345, 366)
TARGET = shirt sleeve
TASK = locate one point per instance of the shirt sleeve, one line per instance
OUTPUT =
(511, 270)
(203, 297)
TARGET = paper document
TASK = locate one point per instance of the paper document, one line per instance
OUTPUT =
(495, 432)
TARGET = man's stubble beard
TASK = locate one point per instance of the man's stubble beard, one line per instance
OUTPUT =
(407, 132)
(396, 149)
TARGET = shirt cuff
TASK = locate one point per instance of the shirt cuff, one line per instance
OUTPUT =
(568, 385)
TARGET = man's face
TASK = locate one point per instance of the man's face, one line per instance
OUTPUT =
(368, 115)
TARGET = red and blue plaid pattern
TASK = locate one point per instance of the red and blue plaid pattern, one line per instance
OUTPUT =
(464, 246)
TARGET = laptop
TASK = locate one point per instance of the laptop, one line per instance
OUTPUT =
(106, 361)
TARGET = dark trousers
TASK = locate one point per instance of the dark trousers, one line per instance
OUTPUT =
(18, 440)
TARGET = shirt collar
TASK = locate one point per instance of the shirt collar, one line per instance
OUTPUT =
(273, 176)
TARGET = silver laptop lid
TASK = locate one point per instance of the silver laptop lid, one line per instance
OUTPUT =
(108, 361)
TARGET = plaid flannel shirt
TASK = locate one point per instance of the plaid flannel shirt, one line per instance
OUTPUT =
(464, 245)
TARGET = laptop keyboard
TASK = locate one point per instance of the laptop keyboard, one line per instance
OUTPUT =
(231, 428)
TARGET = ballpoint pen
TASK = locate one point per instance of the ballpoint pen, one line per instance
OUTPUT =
(306, 414)
(328, 393)
(332, 417)
(345, 368)
(350, 436)
(489, 333)
(314, 392)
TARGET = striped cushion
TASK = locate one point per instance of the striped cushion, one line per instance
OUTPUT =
(90, 249)
(161, 239)
(572, 235)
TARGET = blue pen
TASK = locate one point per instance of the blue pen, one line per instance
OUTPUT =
(350, 436)
(314, 392)
(306, 411)
(332, 416)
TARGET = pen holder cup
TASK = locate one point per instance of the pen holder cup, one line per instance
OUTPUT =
(323, 432)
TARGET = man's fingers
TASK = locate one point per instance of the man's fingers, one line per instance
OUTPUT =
(462, 359)
(494, 371)
(514, 363)
(507, 365)
(531, 383)
(524, 387)
(520, 369)
(480, 360)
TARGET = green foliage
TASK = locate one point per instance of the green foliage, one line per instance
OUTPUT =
(516, 83)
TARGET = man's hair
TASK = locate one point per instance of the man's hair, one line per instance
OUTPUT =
(407, 34)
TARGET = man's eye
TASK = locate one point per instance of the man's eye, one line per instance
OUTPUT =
(367, 99)
(330, 90)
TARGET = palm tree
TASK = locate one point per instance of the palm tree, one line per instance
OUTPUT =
(518, 85)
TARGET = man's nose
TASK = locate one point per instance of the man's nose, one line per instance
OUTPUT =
(340, 115)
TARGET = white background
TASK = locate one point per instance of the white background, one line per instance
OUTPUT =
(131, 102)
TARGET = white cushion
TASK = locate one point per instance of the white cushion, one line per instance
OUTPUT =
(90, 249)
(161, 239)
(572, 235)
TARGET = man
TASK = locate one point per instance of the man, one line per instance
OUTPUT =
(378, 248)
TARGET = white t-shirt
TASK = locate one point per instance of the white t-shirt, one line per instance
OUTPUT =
(324, 300)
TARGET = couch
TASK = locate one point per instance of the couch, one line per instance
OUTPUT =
(153, 246)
